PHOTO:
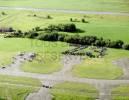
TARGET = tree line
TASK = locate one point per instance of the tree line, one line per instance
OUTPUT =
(51, 33)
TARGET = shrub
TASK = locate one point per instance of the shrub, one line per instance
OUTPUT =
(71, 19)
(62, 27)
(107, 42)
(51, 28)
(72, 39)
(119, 43)
(83, 20)
(32, 35)
(19, 33)
(37, 29)
(88, 40)
(48, 37)
(100, 42)
(126, 46)
(48, 17)
(61, 37)
(116, 44)
(89, 54)
(70, 28)
(11, 29)
(3, 13)
(35, 15)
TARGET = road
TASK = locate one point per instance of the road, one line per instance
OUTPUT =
(64, 11)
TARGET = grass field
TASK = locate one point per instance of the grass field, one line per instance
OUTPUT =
(101, 68)
(19, 80)
(121, 93)
(9, 92)
(44, 63)
(17, 88)
(106, 26)
(74, 91)
(93, 5)
(5, 58)
(47, 61)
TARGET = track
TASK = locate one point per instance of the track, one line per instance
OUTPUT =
(63, 11)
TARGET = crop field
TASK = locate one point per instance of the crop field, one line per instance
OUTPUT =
(92, 5)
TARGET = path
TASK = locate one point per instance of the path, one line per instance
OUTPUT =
(68, 61)
(104, 86)
(42, 94)
(63, 11)
(124, 64)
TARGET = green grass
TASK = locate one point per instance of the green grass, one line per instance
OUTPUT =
(93, 5)
(49, 53)
(19, 80)
(106, 26)
(101, 68)
(120, 93)
(9, 92)
(17, 88)
(44, 63)
(74, 91)
(5, 58)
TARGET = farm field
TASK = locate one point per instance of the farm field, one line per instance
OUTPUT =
(91, 5)
(17, 88)
(106, 26)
